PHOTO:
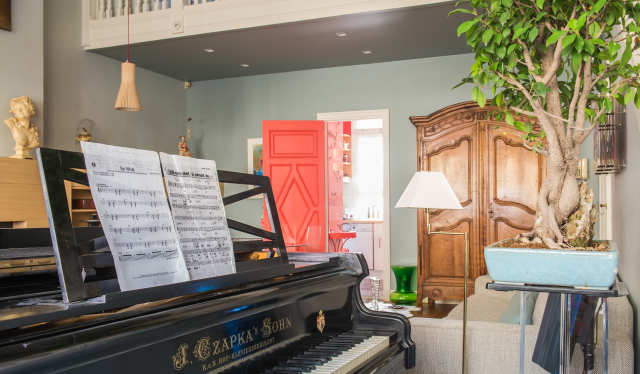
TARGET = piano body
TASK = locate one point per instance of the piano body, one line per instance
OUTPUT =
(287, 313)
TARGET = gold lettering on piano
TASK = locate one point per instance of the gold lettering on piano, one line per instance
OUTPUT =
(202, 349)
(180, 358)
(225, 349)
(270, 327)
(219, 361)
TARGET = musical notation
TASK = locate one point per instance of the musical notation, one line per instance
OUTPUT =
(153, 245)
(214, 239)
(135, 216)
(168, 254)
(128, 190)
(192, 206)
(143, 229)
(198, 229)
(134, 192)
(198, 212)
(114, 203)
(190, 186)
(192, 196)
(199, 218)
(144, 244)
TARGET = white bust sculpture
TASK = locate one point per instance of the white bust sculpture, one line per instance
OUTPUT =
(24, 133)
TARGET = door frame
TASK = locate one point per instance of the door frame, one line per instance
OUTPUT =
(384, 115)
(606, 197)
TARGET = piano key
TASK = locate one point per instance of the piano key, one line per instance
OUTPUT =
(356, 356)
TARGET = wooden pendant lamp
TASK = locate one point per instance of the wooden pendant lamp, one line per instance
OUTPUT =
(128, 99)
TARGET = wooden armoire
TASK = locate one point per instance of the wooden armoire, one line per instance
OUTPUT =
(496, 180)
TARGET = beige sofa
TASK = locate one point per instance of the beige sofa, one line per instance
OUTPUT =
(493, 347)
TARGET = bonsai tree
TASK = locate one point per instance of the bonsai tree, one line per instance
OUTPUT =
(558, 64)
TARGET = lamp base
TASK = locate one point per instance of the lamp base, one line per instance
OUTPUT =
(404, 298)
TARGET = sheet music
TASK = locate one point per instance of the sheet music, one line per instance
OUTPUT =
(127, 188)
(199, 216)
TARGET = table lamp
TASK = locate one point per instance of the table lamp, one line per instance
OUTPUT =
(430, 190)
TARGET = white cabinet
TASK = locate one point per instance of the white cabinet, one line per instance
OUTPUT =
(369, 241)
(378, 245)
(363, 242)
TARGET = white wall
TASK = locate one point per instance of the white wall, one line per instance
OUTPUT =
(228, 111)
(627, 215)
(80, 85)
(21, 65)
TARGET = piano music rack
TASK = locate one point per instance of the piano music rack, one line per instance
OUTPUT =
(84, 262)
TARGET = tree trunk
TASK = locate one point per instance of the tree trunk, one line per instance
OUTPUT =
(557, 200)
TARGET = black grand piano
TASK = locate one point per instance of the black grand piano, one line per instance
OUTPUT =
(280, 313)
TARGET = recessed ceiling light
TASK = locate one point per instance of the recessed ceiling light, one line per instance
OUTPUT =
(209, 50)
(341, 34)
(367, 52)
(244, 65)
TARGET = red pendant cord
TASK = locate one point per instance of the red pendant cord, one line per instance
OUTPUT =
(128, 32)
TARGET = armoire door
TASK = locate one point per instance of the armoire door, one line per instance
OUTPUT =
(513, 178)
(294, 160)
(453, 151)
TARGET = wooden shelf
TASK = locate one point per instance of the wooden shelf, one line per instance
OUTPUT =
(83, 210)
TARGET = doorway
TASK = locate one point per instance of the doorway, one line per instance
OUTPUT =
(366, 190)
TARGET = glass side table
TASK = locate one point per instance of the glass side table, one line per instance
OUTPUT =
(617, 290)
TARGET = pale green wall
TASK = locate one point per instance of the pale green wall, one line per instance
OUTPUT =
(79, 85)
(627, 216)
(226, 112)
(21, 65)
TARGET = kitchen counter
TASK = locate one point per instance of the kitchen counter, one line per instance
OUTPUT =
(363, 220)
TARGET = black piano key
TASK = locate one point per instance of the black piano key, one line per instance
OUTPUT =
(299, 365)
(291, 369)
(314, 356)
(307, 361)
(278, 361)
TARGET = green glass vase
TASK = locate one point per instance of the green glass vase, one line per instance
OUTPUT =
(404, 293)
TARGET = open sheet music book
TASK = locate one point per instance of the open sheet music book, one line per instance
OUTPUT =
(154, 241)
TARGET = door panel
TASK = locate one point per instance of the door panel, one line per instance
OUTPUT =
(514, 176)
(294, 159)
(454, 153)
(335, 172)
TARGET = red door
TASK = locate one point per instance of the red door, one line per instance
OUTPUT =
(294, 159)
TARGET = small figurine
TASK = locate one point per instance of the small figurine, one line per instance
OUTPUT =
(24, 133)
(183, 148)
(84, 135)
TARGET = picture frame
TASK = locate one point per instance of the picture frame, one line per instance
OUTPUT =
(254, 158)
(5, 15)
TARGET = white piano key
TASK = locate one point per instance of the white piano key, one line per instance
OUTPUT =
(354, 357)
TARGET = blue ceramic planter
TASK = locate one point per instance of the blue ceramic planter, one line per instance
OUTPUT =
(552, 267)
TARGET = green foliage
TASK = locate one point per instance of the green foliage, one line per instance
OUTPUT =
(600, 35)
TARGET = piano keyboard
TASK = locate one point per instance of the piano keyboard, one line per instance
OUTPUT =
(340, 355)
(316, 354)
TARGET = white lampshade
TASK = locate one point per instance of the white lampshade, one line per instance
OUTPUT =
(429, 189)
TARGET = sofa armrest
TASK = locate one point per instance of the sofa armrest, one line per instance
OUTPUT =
(491, 348)
(480, 288)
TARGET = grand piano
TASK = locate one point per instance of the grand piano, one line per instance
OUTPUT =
(280, 313)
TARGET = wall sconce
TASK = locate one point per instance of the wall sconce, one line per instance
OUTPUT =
(609, 142)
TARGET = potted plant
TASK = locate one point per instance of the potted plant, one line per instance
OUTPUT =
(558, 64)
